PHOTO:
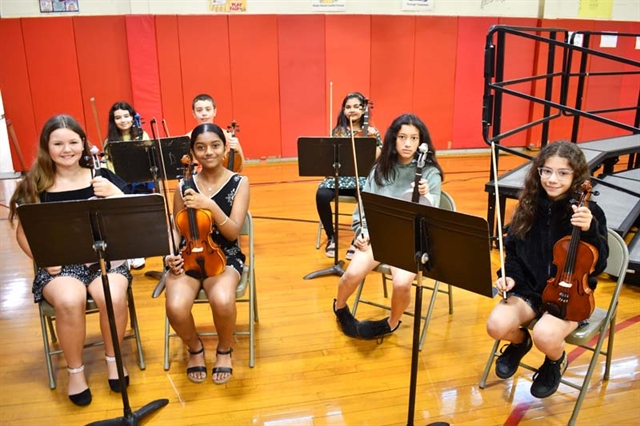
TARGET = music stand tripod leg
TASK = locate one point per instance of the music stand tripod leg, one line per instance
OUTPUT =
(336, 269)
(129, 417)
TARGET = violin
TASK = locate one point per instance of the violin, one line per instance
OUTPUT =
(233, 161)
(568, 296)
(367, 104)
(95, 157)
(200, 253)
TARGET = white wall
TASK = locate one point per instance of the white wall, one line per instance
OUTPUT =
(6, 165)
(623, 10)
(515, 8)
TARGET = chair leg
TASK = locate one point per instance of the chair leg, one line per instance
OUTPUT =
(252, 309)
(356, 300)
(384, 286)
(52, 330)
(319, 235)
(255, 299)
(47, 349)
(450, 294)
(136, 329)
(612, 330)
(492, 355)
(167, 330)
(587, 377)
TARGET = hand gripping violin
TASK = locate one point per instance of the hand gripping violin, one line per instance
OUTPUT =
(200, 253)
(568, 296)
(233, 161)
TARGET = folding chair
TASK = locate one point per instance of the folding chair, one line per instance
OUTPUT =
(446, 203)
(247, 281)
(600, 322)
(48, 316)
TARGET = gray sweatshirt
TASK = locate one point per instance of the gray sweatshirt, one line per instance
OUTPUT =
(404, 177)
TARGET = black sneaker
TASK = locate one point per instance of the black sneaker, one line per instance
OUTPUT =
(347, 322)
(375, 329)
(507, 363)
(547, 379)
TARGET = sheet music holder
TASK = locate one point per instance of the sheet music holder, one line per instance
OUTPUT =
(444, 245)
(139, 161)
(333, 156)
(100, 230)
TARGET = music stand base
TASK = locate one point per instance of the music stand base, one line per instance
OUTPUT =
(334, 270)
(153, 274)
(134, 417)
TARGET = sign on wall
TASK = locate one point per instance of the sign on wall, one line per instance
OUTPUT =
(57, 6)
(329, 5)
(227, 5)
(417, 4)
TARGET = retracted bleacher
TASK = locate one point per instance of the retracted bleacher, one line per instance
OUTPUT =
(559, 110)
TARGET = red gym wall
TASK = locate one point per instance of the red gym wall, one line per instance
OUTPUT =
(271, 73)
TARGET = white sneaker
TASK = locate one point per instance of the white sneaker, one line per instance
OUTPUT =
(137, 263)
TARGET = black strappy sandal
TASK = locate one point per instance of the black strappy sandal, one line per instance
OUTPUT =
(222, 369)
(198, 368)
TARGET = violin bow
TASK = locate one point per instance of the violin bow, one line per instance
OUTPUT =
(355, 163)
(95, 118)
(499, 215)
(16, 145)
(330, 107)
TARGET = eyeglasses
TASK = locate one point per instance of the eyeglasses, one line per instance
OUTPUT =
(561, 174)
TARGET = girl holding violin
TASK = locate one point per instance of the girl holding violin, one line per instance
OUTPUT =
(63, 172)
(124, 126)
(544, 215)
(353, 108)
(223, 198)
(204, 111)
(392, 175)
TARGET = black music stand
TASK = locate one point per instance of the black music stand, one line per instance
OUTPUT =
(333, 156)
(100, 230)
(443, 245)
(142, 161)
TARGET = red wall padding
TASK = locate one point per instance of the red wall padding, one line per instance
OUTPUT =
(52, 63)
(434, 75)
(170, 74)
(143, 65)
(608, 91)
(205, 67)
(103, 64)
(469, 83)
(519, 55)
(272, 73)
(392, 66)
(303, 105)
(16, 91)
(560, 128)
(348, 61)
(254, 82)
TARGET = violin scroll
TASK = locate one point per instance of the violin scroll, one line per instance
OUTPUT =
(95, 156)
(234, 161)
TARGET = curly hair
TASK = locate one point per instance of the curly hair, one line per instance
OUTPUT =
(42, 174)
(525, 212)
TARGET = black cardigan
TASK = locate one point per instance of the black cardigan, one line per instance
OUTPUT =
(529, 261)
